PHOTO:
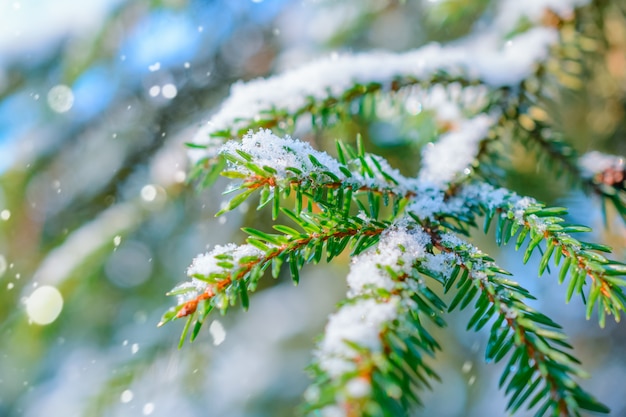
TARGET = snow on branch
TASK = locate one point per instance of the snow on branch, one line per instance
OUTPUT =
(405, 234)
(386, 288)
(490, 56)
(455, 151)
(382, 291)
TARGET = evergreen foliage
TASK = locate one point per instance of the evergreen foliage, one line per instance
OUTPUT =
(408, 236)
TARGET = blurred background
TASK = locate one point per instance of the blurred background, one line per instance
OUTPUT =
(98, 222)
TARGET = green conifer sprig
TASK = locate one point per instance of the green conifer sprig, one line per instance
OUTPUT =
(409, 264)
(233, 276)
(597, 279)
(332, 220)
(538, 371)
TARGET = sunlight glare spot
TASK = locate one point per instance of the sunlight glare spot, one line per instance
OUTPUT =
(148, 192)
(154, 91)
(60, 98)
(44, 305)
(148, 408)
(127, 396)
(169, 91)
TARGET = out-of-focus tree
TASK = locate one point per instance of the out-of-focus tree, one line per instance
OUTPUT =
(97, 101)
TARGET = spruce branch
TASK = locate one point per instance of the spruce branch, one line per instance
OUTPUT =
(526, 220)
(361, 363)
(597, 174)
(538, 368)
(346, 375)
(403, 232)
(322, 182)
(358, 389)
(328, 84)
(228, 273)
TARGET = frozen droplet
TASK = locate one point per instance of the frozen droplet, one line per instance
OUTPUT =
(3, 265)
(217, 332)
(169, 91)
(134, 348)
(187, 65)
(117, 240)
(44, 305)
(10, 286)
(60, 98)
(114, 135)
(127, 396)
(222, 220)
(471, 380)
(5, 214)
(148, 408)
(125, 343)
(36, 96)
(148, 192)
(154, 91)
(200, 28)
(154, 67)
(18, 276)
(123, 57)
(467, 366)
(276, 31)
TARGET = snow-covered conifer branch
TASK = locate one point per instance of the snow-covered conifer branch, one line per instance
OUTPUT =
(539, 372)
(404, 232)
(387, 296)
(273, 164)
(526, 220)
(383, 314)
(352, 367)
(495, 57)
(226, 274)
